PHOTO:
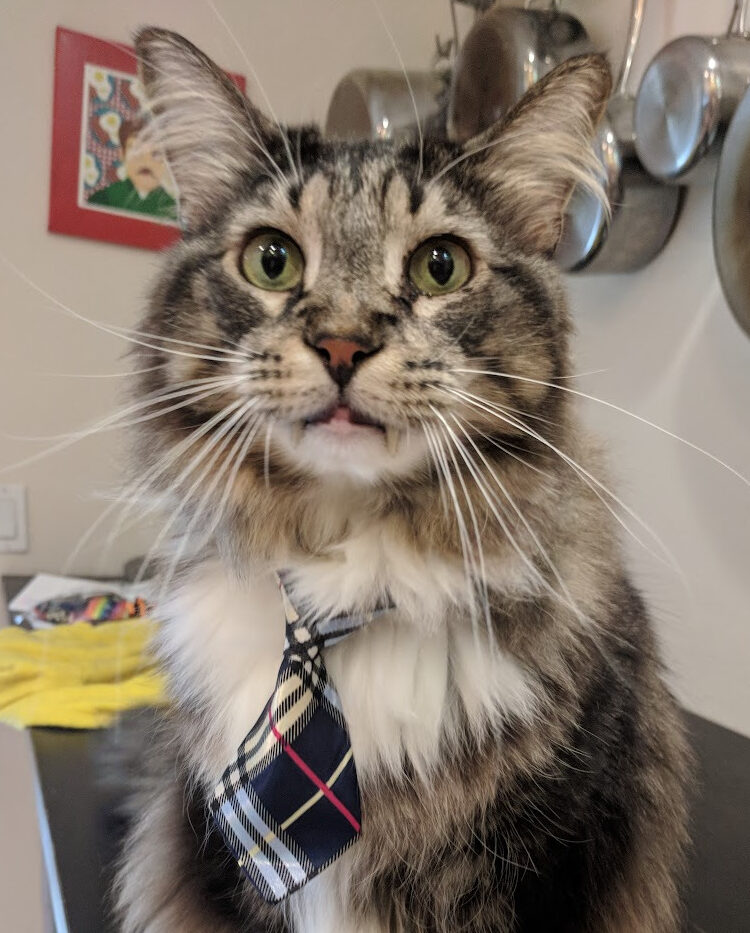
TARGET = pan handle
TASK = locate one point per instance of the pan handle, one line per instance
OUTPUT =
(738, 25)
(634, 34)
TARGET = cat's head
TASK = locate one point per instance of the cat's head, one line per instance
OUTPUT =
(346, 299)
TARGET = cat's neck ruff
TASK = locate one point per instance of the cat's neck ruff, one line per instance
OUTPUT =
(410, 682)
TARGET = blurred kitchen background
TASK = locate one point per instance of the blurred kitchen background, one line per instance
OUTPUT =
(660, 342)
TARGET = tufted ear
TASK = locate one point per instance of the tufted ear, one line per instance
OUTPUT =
(208, 130)
(541, 150)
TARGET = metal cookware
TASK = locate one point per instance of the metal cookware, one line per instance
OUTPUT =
(731, 219)
(371, 103)
(687, 98)
(644, 211)
(506, 51)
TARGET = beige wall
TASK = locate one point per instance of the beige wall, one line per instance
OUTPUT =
(665, 337)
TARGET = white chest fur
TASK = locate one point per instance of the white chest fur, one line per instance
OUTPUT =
(401, 680)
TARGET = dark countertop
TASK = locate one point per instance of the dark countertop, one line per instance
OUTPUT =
(81, 826)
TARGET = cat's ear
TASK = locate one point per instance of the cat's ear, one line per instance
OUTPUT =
(536, 155)
(207, 129)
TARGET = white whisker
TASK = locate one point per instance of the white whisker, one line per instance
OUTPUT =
(222, 351)
(114, 331)
(381, 17)
(262, 90)
(584, 474)
(475, 572)
(506, 448)
(249, 437)
(122, 375)
(218, 443)
(107, 426)
(239, 436)
(460, 524)
(468, 460)
(534, 537)
(438, 474)
(168, 393)
(624, 411)
(130, 495)
(189, 92)
(267, 454)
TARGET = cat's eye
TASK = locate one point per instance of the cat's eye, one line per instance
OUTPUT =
(273, 261)
(439, 266)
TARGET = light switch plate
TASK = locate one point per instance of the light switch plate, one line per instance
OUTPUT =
(14, 536)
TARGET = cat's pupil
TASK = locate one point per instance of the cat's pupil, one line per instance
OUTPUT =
(440, 265)
(274, 259)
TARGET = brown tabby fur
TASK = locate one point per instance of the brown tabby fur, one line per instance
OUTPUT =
(573, 822)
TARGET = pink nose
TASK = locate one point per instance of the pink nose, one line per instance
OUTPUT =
(339, 353)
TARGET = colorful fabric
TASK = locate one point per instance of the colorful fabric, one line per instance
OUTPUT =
(100, 607)
(289, 805)
(77, 676)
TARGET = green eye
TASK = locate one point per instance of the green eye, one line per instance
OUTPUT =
(439, 266)
(273, 261)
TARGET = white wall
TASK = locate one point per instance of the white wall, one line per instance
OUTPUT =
(674, 355)
(671, 350)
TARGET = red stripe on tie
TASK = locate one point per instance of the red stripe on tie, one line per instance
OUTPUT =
(321, 785)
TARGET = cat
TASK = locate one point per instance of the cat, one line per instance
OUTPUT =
(366, 341)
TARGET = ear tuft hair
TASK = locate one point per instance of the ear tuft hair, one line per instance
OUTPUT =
(541, 150)
(208, 130)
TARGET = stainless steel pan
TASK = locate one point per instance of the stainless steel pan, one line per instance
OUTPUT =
(506, 51)
(687, 98)
(731, 220)
(644, 211)
(377, 103)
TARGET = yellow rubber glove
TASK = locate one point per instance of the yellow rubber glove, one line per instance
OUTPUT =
(78, 676)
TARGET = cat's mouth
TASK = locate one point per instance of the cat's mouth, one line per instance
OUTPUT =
(345, 419)
(344, 423)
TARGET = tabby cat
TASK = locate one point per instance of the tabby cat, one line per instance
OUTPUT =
(366, 342)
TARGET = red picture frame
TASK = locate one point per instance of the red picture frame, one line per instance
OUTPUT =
(83, 62)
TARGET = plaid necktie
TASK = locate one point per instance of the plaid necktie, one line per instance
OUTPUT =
(289, 805)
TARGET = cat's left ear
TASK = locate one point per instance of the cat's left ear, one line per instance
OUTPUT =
(208, 130)
(536, 155)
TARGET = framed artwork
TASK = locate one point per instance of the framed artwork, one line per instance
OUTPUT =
(103, 184)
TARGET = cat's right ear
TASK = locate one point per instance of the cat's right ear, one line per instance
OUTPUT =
(208, 130)
(533, 159)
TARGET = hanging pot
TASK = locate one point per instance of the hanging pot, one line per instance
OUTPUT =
(644, 211)
(373, 103)
(687, 98)
(731, 220)
(506, 51)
